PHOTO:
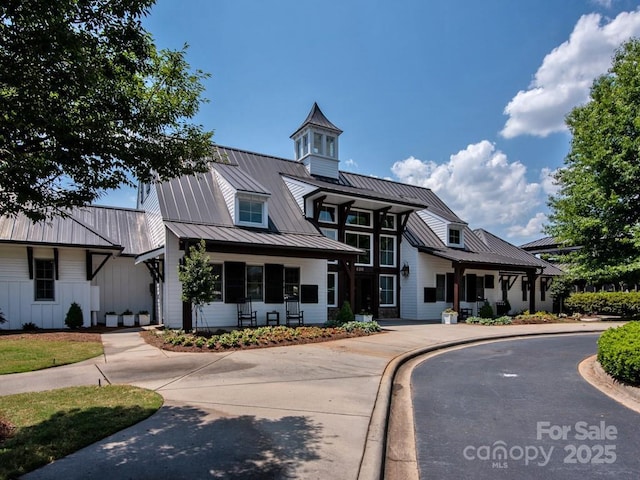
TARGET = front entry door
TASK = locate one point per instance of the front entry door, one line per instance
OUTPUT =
(364, 296)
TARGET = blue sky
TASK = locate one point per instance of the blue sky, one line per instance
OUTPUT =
(464, 97)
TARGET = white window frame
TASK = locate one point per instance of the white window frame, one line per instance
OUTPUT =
(333, 236)
(371, 252)
(356, 211)
(455, 229)
(395, 287)
(395, 251)
(258, 199)
(392, 216)
(335, 289)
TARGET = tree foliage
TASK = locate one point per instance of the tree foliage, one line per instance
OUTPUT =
(197, 278)
(597, 204)
(87, 103)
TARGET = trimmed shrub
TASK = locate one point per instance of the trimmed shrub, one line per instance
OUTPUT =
(485, 311)
(619, 352)
(74, 316)
(626, 304)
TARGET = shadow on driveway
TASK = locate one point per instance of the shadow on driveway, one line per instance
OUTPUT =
(187, 442)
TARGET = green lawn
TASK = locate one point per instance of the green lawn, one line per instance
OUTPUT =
(84, 414)
(24, 354)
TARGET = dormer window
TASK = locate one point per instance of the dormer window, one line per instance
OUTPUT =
(327, 214)
(455, 237)
(252, 211)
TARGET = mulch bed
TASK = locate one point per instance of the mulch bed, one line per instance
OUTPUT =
(155, 340)
(84, 335)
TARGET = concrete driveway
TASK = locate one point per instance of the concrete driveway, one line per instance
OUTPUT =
(308, 411)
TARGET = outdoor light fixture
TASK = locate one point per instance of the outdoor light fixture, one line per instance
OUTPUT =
(405, 270)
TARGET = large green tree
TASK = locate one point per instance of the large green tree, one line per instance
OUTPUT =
(87, 103)
(598, 204)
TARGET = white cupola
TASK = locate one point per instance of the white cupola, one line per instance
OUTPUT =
(316, 144)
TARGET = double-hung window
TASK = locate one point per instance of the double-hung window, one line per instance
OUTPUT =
(362, 241)
(387, 251)
(387, 290)
(44, 280)
(216, 269)
(332, 286)
(255, 282)
(291, 282)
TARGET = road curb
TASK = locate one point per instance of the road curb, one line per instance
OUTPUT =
(372, 464)
(592, 372)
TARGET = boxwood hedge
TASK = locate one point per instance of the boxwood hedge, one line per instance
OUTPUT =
(619, 352)
(626, 304)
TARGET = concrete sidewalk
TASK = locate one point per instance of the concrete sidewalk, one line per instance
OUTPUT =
(307, 411)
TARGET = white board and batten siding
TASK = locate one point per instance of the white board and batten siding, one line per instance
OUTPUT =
(221, 314)
(17, 291)
(123, 286)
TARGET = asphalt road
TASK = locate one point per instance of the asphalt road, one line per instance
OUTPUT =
(520, 410)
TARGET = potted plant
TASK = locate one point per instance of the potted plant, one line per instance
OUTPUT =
(449, 316)
(144, 318)
(111, 319)
(364, 316)
(128, 318)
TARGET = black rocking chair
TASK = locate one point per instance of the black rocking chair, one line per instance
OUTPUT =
(246, 313)
(293, 311)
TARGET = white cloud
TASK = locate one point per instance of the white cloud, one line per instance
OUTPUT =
(532, 228)
(567, 73)
(479, 184)
(548, 182)
(351, 165)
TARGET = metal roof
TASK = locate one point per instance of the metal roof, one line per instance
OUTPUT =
(317, 118)
(123, 226)
(507, 249)
(410, 193)
(92, 226)
(342, 186)
(258, 239)
(239, 179)
(193, 198)
(541, 242)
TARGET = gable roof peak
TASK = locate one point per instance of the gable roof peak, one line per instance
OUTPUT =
(317, 118)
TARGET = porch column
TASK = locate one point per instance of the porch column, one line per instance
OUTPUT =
(458, 272)
(531, 277)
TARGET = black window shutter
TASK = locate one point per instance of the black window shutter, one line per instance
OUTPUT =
(450, 281)
(234, 276)
(471, 287)
(273, 283)
(429, 295)
(308, 293)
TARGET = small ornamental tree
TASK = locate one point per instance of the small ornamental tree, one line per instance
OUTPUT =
(345, 314)
(74, 316)
(198, 280)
